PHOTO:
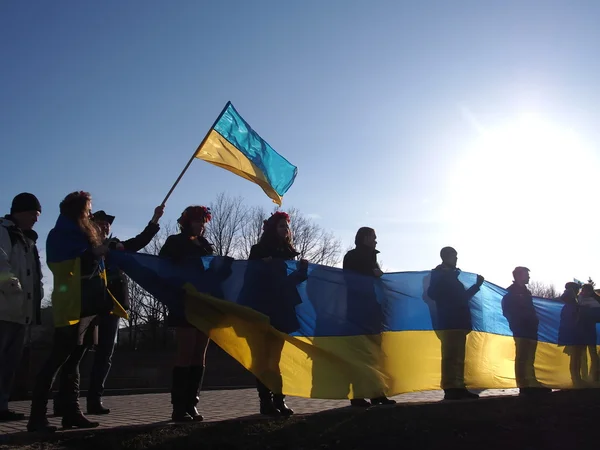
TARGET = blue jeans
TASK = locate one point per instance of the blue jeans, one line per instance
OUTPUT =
(12, 342)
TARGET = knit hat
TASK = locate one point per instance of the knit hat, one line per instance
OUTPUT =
(25, 202)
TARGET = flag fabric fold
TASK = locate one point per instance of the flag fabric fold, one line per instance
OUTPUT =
(362, 337)
(234, 146)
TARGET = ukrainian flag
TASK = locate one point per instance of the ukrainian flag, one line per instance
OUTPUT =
(234, 146)
(65, 246)
(362, 337)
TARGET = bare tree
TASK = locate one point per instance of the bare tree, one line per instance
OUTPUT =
(251, 230)
(228, 218)
(146, 313)
(539, 289)
(313, 242)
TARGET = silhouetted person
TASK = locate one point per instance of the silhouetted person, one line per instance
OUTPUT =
(363, 306)
(270, 290)
(454, 322)
(589, 302)
(570, 332)
(517, 307)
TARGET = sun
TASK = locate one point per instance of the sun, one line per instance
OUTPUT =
(526, 188)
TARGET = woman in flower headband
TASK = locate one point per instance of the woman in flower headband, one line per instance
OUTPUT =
(191, 344)
(275, 294)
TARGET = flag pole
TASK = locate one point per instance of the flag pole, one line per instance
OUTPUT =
(194, 155)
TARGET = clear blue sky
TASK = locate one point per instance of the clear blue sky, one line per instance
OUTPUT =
(392, 111)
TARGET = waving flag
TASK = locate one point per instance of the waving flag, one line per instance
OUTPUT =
(361, 337)
(234, 146)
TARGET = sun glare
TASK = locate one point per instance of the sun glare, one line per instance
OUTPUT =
(525, 191)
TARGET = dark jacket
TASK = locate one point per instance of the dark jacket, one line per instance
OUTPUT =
(362, 259)
(269, 289)
(517, 307)
(180, 247)
(451, 298)
(363, 309)
(117, 281)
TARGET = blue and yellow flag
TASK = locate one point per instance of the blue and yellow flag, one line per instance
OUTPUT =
(336, 334)
(234, 146)
(65, 247)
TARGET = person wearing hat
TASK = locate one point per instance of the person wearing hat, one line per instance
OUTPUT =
(518, 308)
(21, 290)
(108, 324)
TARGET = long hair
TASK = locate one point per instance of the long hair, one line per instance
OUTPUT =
(271, 239)
(74, 208)
(193, 214)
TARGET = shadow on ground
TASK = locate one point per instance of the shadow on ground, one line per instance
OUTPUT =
(556, 421)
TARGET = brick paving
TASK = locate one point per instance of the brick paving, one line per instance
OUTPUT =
(215, 405)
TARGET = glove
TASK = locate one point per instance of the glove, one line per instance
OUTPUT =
(11, 286)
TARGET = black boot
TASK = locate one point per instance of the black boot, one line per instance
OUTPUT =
(267, 407)
(178, 394)
(58, 406)
(95, 406)
(74, 418)
(38, 422)
(279, 402)
(194, 385)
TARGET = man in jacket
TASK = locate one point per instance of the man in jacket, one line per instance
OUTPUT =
(362, 300)
(453, 322)
(20, 290)
(518, 308)
(108, 324)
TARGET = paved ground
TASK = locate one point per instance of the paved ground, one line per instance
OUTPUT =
(216, 405)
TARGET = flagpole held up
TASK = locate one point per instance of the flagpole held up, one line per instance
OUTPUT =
(194, 154)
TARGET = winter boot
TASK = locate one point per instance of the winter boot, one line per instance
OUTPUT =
(192, 395)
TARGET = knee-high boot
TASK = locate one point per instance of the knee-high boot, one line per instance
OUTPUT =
(193, 391)
(266, 400)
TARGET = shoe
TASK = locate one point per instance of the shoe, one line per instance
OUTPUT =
(382, 401)
(360, 402)
(9, 415)
(459, 394)
(267, 407)
(279, 403)
(180, 414)
(95, 407)
(194, 414)
(77, 420)
(40, 424)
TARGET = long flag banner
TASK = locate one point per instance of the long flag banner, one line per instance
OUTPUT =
(334, 334)
(234, 146)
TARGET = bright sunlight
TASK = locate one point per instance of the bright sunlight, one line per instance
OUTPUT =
(524, 195)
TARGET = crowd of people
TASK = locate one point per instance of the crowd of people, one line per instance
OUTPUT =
(90, 295)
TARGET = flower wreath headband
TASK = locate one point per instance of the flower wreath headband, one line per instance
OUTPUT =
(275, 217)
(196, 212)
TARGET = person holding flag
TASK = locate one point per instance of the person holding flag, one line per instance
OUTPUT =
(75, 255)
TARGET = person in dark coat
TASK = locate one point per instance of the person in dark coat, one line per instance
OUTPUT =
(517, 307)
(363, 306)
(191, 343)
(75, 254)
(453, 322)
(274, 293)
(108, 324)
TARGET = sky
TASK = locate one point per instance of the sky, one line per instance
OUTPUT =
(467, 123)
